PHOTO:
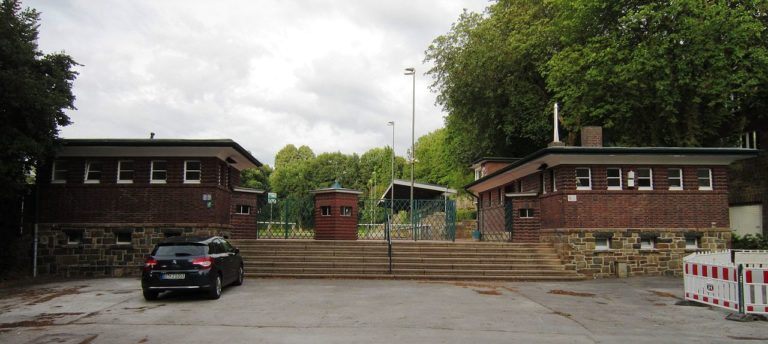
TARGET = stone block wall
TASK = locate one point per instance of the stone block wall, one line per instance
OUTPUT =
(99, 254)
(576, 248)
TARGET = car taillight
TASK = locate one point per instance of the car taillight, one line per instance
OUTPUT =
(204, 263)
(150, 264)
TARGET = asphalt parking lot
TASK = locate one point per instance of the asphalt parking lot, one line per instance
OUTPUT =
(634, 310)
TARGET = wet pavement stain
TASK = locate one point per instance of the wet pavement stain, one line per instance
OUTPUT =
(570, 293)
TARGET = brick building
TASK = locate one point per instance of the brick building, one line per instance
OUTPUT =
(749, 188)
(103, 203)
(611, 210)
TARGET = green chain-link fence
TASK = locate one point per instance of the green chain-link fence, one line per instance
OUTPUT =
(495, 222)
(286, 218)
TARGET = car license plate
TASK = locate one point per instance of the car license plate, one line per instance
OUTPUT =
(172, 276)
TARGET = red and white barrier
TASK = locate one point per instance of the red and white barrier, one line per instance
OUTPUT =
(713, 278)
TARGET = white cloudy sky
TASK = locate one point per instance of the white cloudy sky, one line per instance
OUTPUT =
(327, 74)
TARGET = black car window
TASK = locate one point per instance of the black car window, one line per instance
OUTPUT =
(179, 250)
(226, 245)
(215, 247)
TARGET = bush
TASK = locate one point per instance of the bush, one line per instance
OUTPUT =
(750, 242)
(466, 214)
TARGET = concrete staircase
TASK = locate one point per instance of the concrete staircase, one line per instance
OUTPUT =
(423, 260)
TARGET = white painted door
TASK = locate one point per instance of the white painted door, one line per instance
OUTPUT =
(747, 219)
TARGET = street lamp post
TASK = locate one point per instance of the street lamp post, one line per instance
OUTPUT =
(392, 205)
(412, 71)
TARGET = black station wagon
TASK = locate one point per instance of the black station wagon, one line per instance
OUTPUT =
(192, 263)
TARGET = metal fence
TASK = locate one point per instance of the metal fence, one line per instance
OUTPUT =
(734, 280)
(293, 218)
(495, 222)
(431, 220)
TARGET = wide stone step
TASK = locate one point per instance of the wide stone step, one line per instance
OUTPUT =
(520, 278)
(445, 254)
(315, 243)
(256, 266)
(255, 250)
(413, 259)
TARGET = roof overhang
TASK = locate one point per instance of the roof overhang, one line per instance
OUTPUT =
(226, 150)
(247, 190)
(554, 156)
(420, 190)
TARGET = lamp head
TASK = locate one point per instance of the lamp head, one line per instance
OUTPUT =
(390, 123)
(410, 71)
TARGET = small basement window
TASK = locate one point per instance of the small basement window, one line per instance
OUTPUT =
(172, 232)
(74, 236)
(691, 243)
(602, 243)
(325, 211)
(123, 237)
(526, 213)
(242, 209)
(346, 211)
(648, 243)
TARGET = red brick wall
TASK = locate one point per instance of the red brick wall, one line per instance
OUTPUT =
(139, 202)
(244, 225)
(336, 227)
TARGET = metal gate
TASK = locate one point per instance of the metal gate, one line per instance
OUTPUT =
(495, 222)
(429, 220)
(286, 218)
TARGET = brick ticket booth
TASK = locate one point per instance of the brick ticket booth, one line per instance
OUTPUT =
(336, 213)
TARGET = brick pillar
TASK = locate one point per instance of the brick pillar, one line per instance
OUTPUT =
(336, 213)
(592, 136)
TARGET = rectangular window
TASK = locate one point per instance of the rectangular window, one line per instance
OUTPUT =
(242, 209)
(691, 243)
(675, 178)
(74, 236)
(526, 213)
(705, 178)
(613, 178)
(647, 243)
(346, 211)
(602, 244)
(123, 238)
(92, 172)
(125, 171)
(158, 173)
(644, 179)
(583, 178)
(542, 183)
(59, 173)
(325, 211)
(552, 181)
(192, 171)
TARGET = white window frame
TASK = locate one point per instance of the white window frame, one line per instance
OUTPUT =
(589, 178)
(323, 211)
(529, 213)
(669, 177)
(607, 178)
(193, 181)
(648, 243)
(605, 247)
(53, 173)
(695, 245)
(553, 176)
(345, 211)
(88, 170)
(152, 170)
(698, 179)
(239, 209)
(119, 169)
(650, 178)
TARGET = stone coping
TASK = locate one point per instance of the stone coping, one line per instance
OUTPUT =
(632, 230)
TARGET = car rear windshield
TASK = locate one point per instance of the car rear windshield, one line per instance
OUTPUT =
(180, 249)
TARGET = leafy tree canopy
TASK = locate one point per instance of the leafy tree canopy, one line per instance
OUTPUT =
(35, 89)
(652, 73)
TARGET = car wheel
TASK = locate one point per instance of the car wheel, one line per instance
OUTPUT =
(215, 291)
(240, 276)
(150, 295)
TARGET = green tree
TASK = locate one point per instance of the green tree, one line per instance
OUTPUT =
(35, 89)
(289, 176)
(673, 73)
(257, 178)
(434, 164)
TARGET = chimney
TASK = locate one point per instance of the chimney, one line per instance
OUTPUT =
(592, 136)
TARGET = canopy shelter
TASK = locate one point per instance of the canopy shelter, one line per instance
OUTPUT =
(421, 191)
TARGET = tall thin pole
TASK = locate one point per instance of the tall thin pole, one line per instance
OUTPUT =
(412, 71)
(392, 187)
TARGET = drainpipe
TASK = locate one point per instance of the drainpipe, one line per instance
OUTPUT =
(34, 241)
